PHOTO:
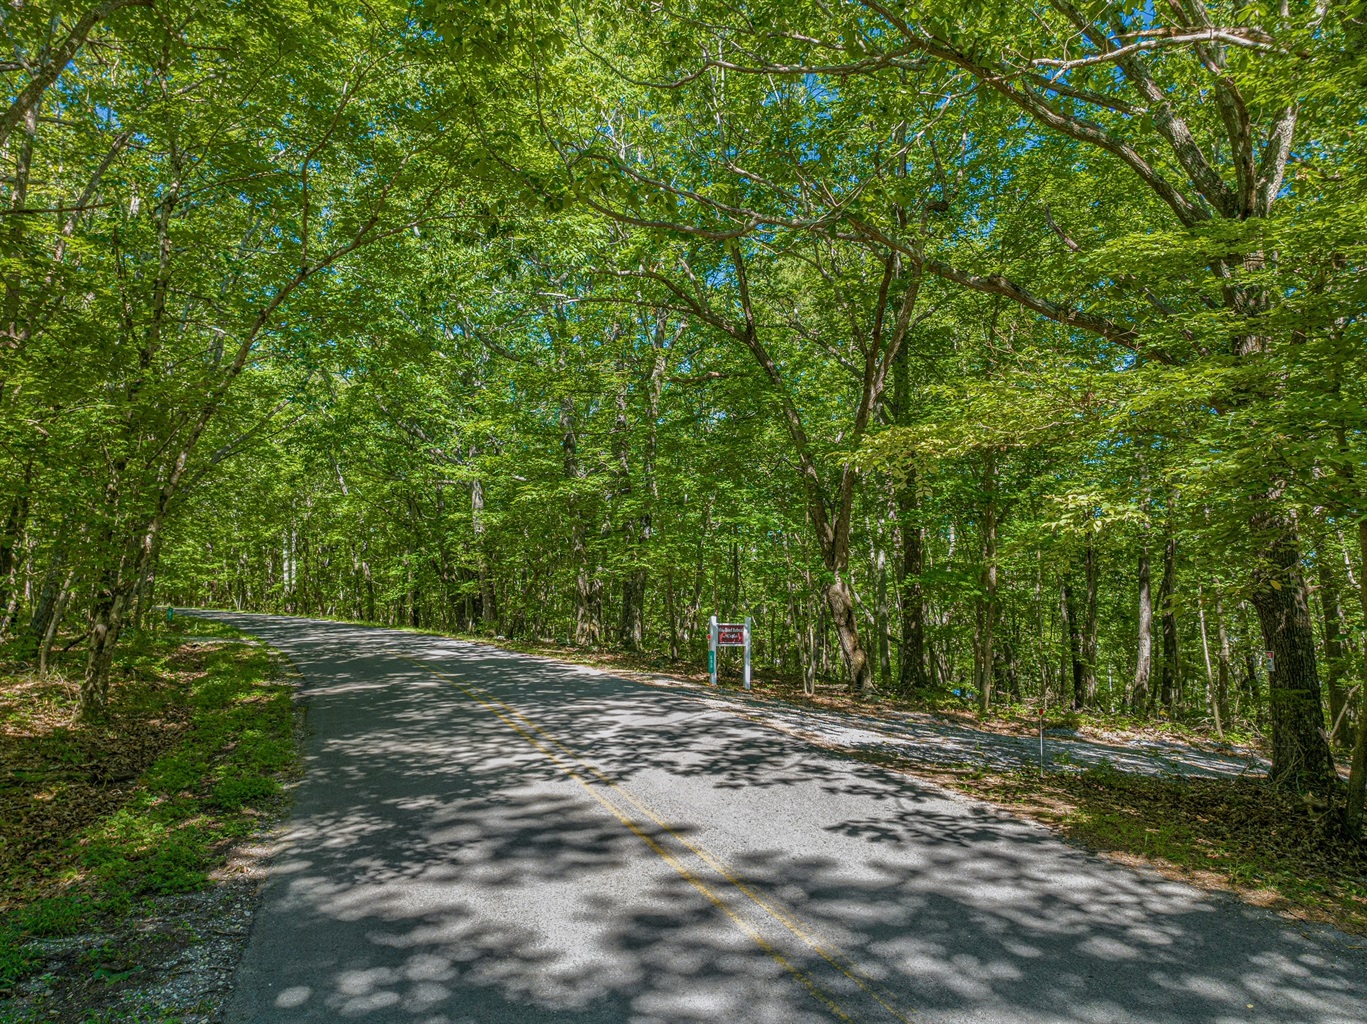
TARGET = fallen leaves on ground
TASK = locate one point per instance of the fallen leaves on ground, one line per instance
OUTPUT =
(58, 775)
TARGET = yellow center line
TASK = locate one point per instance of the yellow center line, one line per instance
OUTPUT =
(838, 960)
(802, 977)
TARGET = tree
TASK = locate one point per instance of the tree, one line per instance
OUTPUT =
(1203, 112)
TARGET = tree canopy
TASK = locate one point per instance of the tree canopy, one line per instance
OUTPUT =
(1008, 350)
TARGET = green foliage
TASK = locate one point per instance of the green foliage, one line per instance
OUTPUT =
(60, 915)
(240, 740)
(535, 320)
(211, 787)
(17, 957)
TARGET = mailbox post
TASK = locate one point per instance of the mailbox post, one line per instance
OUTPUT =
(727, 634)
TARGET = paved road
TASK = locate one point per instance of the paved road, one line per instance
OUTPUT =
(485, 837)
(929, 741)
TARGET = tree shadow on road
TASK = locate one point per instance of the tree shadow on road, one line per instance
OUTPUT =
(441, 867)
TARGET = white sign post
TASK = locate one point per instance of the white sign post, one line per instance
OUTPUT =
(712, 650)
(727, 634)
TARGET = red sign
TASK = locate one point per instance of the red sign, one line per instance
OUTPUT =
(730, 634)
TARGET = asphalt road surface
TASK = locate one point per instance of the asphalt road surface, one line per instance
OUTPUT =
(485, 837)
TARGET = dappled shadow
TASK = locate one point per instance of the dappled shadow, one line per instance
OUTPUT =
(60, 774)
(441, 866)
(923, 740)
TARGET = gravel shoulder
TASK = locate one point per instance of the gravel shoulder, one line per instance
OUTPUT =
(173, 960)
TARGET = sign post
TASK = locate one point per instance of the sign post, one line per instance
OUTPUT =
(727, 634)
(712, 650)
(1041, 742)
(747, 653)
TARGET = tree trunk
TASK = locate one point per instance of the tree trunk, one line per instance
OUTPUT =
(1167, 596)
(987, 608)
(1357, 773)
(1143, 665)
(841, 603)
(1249, 684)
(1041, 645)
(1212, 695)
(880, 618)
(127, 564)
(631, 622)
(1090, 645)
(45, 608)
(588, 595)
(1331, 616)
(1301, 758)
(736, 615)
(54, 623)
(1223, 670)
(488, 606)
(835, 550)
(672, 615)
(1074, 639)
(830, 513)
(10, 538)
(911, 675)
(147, 583)
(105, 625)
(18, 189)
(631, 626)
(1005, 668)
(912, 671)
(587, 586)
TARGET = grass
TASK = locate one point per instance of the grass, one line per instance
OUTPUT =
(96, 818)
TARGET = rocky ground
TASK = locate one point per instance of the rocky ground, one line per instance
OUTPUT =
(171, 959)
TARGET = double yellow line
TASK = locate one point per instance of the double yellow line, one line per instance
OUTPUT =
(584, 773)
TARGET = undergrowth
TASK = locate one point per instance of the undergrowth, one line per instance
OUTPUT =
(95, 818)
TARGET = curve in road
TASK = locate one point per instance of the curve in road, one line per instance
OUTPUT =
(481, 836)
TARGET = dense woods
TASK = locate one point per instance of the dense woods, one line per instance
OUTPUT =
(1008, 350)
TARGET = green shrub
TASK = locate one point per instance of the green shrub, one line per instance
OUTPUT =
(17, 957)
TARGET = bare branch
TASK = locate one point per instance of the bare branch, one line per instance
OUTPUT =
(1210, 35)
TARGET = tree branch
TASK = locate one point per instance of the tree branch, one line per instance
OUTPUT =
(48, 72)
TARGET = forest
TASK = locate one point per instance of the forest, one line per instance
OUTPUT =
(1006, 352)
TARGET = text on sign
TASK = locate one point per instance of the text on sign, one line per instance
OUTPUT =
(730, 634)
